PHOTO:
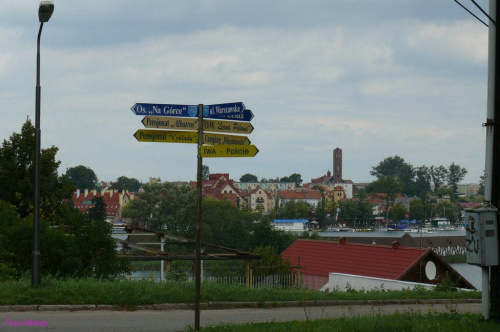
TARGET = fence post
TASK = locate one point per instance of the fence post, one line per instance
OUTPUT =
(299, 273)
(167, 270)
(247, 273)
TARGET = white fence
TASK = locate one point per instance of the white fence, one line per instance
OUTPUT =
(256, 281)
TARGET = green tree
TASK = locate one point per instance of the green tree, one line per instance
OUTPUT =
(445, 210)
(270, 262)
(82, 177)
(388, 186)
(294, 210)
(98, 209)
(455, 175)
(79, 247)
(480, 191)
(205, 172)
(225, 225)
(321, 211)
(398, 212)
(331, 209)
(395, 167)
(124, 183)
(349, 211)
(422, 183)
(165, 206)
(417, 209)
(438, 175)
(365, 209)
(263, 234)
(248, 178)
(17, 174)
(445, 192)
(8, 264)
(295, 177)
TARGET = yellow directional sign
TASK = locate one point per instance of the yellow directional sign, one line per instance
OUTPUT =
(178, 136)
(214, 151)
(166, 136)
(218, 126)
(237, 127)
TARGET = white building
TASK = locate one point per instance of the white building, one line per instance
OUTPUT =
(291, 225)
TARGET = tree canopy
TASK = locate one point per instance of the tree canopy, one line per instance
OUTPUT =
(72, 244)
(422, 180)
(165, 206)
(248, 178)
(295, 177)
(124, 183)
(17, 174)
(82, 177)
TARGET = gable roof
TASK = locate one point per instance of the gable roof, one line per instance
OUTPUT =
(319, 258)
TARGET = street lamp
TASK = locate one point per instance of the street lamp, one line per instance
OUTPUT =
(45, 11)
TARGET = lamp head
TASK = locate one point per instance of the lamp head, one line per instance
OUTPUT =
(45, 11)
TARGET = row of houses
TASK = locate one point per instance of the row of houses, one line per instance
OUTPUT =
(258, 196)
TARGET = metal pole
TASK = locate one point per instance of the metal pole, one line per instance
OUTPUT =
(491, 288)
(162, 262)
(35, 271)
(198, 224)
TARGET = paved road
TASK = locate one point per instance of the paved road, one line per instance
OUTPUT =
(175, 320)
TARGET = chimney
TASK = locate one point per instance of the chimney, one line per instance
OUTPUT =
(86, 193)
(342, 240)
(77, 193)
(395, 245)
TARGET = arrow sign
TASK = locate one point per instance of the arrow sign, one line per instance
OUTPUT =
(219, 126)
(208, 151)
(166, 136)
(165, 110)
(173, 136)
(228, 111)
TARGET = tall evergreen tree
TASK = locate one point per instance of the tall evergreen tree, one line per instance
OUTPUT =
(17, 171)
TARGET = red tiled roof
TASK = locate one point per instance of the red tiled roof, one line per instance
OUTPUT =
(112, 202)
(299, 194)
(319, 258)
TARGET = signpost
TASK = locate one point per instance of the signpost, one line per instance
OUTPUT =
(225, 118)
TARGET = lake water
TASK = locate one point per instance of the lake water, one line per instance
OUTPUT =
(395, 234)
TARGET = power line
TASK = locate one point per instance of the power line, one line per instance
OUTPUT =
(472, 13)
(482, 10)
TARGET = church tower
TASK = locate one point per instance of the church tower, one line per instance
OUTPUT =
(337, 165)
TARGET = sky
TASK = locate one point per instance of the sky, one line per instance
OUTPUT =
(373, 78)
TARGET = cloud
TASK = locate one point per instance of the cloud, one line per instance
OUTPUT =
(461, 40)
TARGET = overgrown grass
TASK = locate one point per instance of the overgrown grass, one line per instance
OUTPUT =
(414, 322)
(133, 293)
(460, 258)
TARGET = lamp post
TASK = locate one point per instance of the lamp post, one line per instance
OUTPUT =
(45, 11)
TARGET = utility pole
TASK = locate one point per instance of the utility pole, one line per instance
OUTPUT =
(492, 167)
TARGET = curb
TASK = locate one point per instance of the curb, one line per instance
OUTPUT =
(226, 305)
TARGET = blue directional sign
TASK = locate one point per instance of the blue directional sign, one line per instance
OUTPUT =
(228, 111)
(165, 110)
